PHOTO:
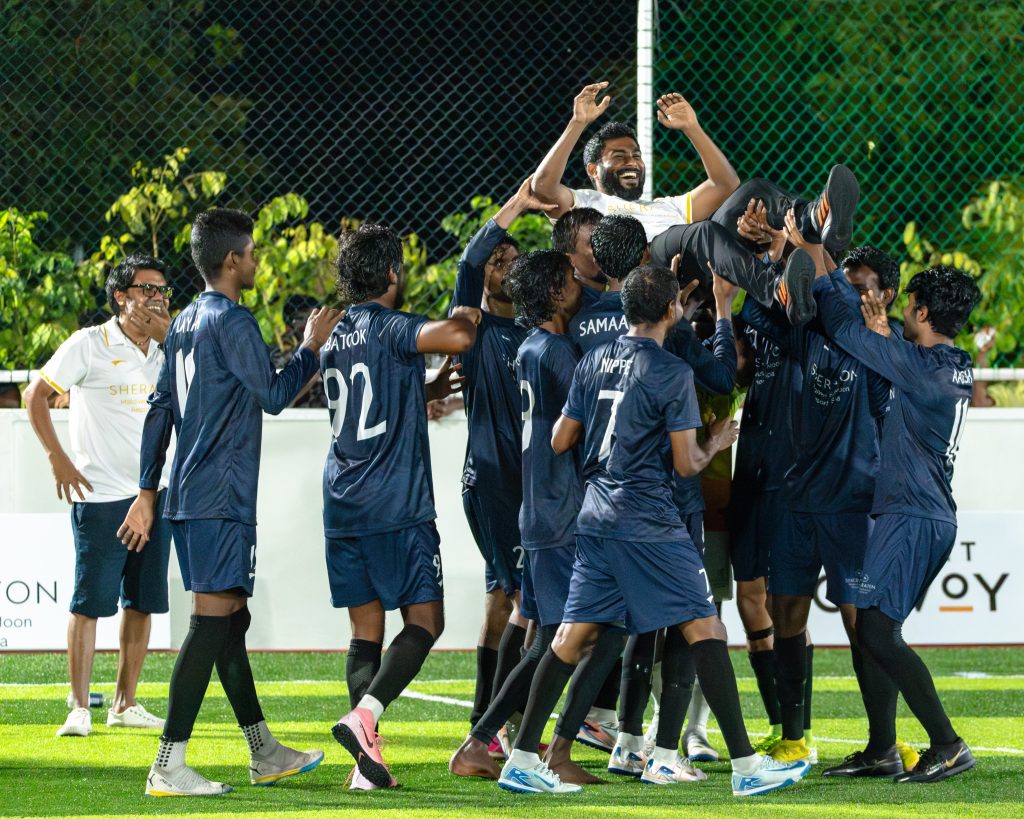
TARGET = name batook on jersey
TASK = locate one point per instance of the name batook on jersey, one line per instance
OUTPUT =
(834, 432)
(491, 392)
(377, 474)
(552, 484)
(921, 433)
(217, 381)
(629, 395)
(764, 450)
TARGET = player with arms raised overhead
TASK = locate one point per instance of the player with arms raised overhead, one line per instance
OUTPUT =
(382, 545)
(215, 385)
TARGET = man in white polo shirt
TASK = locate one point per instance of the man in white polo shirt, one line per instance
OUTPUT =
(109, 370)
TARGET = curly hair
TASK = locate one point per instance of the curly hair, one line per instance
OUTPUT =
(365, 257)
(950, 295)
(619, 243)
(123, 274)
(647, 293)
(567, 229)
(884, 265)
(595, 145)
(533, 281)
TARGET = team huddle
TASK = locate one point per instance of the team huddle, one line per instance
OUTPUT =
(600, 378)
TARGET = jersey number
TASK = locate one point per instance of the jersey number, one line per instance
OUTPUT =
(527, 391)
(338, 406)
(184, 370)
(615, 396)
(958, 429)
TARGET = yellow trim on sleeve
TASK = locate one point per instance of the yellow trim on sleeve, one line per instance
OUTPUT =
(103, 329)
(689, 208)
(52, 383)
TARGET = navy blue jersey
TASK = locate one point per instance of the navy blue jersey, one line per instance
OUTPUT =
(765, 448)
(629, 395)
(552, 484)
(491, 392)
(713, 369)
(215, 385)
(921, 430)
(377, 475)
(835, 401)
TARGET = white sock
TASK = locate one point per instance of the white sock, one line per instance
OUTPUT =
(602, 715)
(523, 759)
(259, 738)
(656, 684)
(372, 704)
(746, 765)
(170, 755)
(629, 742)
(697, 716)
(665, 756)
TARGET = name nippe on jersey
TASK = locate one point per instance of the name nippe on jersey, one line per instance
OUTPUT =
(604, 324)
(616, 366)
(346, 340)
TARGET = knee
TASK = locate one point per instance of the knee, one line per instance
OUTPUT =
(878, 635)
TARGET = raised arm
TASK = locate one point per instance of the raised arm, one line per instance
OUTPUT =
(450, 336)
(676, 113)
(547, 179)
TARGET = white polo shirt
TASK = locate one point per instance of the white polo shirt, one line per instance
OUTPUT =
(110, 380)
(656, 215)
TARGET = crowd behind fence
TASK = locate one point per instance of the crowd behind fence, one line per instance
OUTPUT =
(120, 120)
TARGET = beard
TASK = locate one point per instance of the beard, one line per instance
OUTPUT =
(610, 183)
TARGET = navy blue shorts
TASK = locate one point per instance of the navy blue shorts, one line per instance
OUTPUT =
(399, 568)
(546, 583)
(647, 585)
(215, 554)
(494, 522)
(756, 521)
(104, 568)
(835, 543)
(905, 554)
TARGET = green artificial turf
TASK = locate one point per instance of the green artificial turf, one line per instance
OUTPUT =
(303, 694)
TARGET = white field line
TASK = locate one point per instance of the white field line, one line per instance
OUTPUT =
(419, 695)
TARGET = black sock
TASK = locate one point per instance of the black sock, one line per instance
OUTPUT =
(191, 676)
(516, 691)
(718, 682)
(587, 681)
(402, 661)
(677, 675)
(763, 663)
(486, 665)
(361, 665)
(510, 652)
(808, 686)
(608, 697)
(879, 692)
(235, 672)
(882, 638)
(548, 684)
(637, 664)
(791, 673)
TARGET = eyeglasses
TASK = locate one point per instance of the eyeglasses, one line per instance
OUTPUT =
(150, 289)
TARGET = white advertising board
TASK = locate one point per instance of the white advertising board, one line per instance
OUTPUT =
(37, 574)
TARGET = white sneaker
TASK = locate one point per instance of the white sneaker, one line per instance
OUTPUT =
(527, 773)
(182, 781)
(625, 761)
(698, 749)
(679, 770)
(360, 782)
(134, 716)
(770, 775)
(78, 724)
(280, 763)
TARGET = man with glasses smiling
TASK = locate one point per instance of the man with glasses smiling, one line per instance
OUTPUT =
(109, 371)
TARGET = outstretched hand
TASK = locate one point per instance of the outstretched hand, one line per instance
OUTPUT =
(525, 199)
(874, 312)
(724, 433)
(446, 381)
(319, 325)
(676, 113)
(585, 107)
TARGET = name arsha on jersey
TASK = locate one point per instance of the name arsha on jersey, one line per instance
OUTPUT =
(963, 377)
(616, 365)
(607, 324)
(343, 342)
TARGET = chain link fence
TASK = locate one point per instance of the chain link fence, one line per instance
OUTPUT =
(119, 120)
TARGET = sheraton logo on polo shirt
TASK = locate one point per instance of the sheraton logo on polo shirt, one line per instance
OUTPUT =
(131, 389)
